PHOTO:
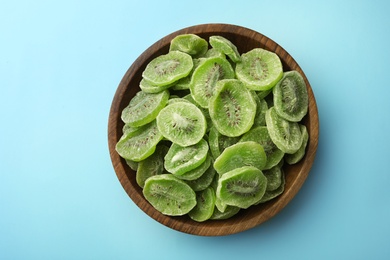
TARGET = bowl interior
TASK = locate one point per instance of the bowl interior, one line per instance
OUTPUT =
(245, 39)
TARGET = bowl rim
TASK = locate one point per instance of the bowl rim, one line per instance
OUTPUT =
(248, 218)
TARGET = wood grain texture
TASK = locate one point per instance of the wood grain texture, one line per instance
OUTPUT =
(245, 39)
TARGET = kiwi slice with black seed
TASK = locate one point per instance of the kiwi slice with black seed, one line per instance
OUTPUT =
(181, 159)
(205, 77)
(239, 155)
(232, 108)
(144, 108)
(242, 187)
(182, 123)
(205, 204)
(260, 135)
(290, 96)
(225, 46)
(259, 69)
(197, 172)
(169, 195)
(168, 68)
(140, 144)
(191, 44)
(286, 135)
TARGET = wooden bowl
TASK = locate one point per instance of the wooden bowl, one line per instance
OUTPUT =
(245, 39)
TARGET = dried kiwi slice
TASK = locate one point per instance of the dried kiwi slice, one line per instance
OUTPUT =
(232, 108)
(169, 195)
(168, 68)
(260, 134)
(144, 108)
(214, 53)
(205, 111)
(229, 212)
(271, 194)
(286, 135)
(298, 155)
(242, 187)
(196, 172)
(151, 166)
(204, 180)
(239, 155)
(225, 46)
(219, 142)
(262, 107)
(205, 77)
(183, 159)
(191, 44)
(259, 69)
(140, 144)
(147, 87)
(182, 123)
(290, 96)
(205, 204)
(274, 177)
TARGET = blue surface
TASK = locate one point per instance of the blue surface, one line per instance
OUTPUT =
(60, 65)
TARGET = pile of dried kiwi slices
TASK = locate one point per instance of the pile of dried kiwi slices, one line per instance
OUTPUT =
(210, 129)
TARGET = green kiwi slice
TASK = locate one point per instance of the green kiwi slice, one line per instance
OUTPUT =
(239, 155)
(168, 68)
(229, 212)
(298, 155)
(205, 204)
(151, 166)
(219, 142)
(290, 96)
(169, 195)
(144, 108)
(204, 180)
(259, 69)
(132, 164)
(260, 134)
(196, 172)
(191, 44)
(242, 187)
(271, 194)
(263, 94)
(128, 129)
(148, 87)
(232, 108)
(182, 123)
(286, 135)
(262, 107)
(274, 177)
(140, 144)
(184, 83)
(219, 205)
(181, 159)
(205, 77)
(205, 111)
(225, 46)
(214, 53)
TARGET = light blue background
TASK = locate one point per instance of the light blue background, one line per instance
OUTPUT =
(60, 65)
